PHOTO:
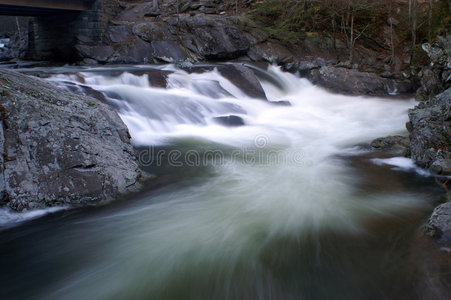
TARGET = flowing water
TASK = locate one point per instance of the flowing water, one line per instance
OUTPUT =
(287, 206)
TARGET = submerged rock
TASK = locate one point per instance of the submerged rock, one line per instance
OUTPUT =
(430, 133)
(231, 121)
(393, 145)
(59, 148)
(281, 103)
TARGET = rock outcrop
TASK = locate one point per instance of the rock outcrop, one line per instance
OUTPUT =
(430, 134)
(59, 148)
(171, 38)
(436, 77)
(353, 82)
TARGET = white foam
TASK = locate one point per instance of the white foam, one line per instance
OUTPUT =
(402, 164)
(10, 218)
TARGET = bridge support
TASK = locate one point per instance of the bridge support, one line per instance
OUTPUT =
(54, 36)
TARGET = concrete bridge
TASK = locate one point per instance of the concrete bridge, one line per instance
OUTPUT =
(59, 25)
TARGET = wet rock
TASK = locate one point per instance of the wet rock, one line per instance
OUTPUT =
(439, 224)
(168, 51)
(271, 52)
(393, 145)
(231, 121)
(430, 133)
(60, 148)
(243, 78)
(98, 53)
(305, 68)
(353, 82)
(281, 103)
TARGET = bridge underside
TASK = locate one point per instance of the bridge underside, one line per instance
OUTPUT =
(10, 10)
(59, 26)
(41, 7)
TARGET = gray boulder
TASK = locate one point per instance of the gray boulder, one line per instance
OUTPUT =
(439, 225)
(119, 34)
(430, 133)
(59, 148)
(353, 82)
(99, 53)
(214, 37)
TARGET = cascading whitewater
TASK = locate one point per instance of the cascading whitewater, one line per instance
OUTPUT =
(276, 212)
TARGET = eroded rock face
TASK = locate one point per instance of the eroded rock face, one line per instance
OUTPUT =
(169, 39)
(59, 148)
(430, 133)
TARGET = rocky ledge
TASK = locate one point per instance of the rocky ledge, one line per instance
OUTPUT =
(430, 134)
(344, 78)
(60, 148)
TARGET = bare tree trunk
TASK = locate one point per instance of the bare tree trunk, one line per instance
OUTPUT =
(155, 5)
(430, 22)
(236, 11)
(177, 8)
(351, 44)
(334, 33)
(409, 18)
(391, 34)
(414, 28)
(18, 28)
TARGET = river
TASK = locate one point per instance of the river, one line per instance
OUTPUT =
(289, 205)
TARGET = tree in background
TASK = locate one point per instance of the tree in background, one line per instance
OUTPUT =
(412, 21)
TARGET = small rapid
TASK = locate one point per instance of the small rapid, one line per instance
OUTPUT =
(283, 206)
